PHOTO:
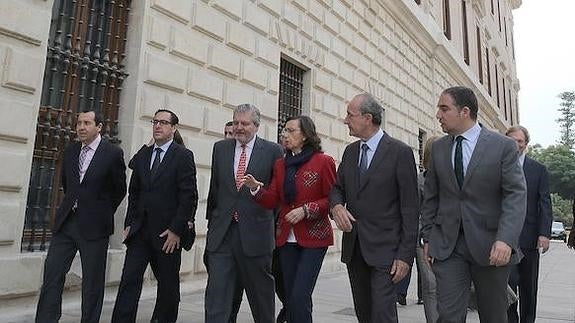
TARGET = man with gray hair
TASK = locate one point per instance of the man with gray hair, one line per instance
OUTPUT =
(375, 203)
(240, 238)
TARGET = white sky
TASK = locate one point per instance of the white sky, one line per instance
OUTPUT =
(545, 56)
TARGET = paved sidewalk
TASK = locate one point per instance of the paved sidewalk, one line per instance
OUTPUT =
(333, 303)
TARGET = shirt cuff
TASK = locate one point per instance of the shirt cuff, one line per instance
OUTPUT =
(255, 192)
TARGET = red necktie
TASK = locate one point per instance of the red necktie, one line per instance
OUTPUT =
(241, 171)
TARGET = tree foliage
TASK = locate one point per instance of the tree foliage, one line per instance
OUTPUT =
(560, 162)
(567, 119)
(562, 210)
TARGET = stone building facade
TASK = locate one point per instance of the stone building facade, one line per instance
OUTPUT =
(200, 58)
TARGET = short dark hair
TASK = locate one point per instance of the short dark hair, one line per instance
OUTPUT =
(229, 123)
(370, 105)
(464, 97)
(173, 117)
(307, 128)
(98, 117)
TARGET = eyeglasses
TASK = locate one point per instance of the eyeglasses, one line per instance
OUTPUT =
(162, 122)
(289, 131)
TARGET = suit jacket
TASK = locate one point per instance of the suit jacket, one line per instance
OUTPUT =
(167, 200)
(385, 205)
(314, 181)
(99, 194)
(256, 224)
(539, 215)
(490, 205)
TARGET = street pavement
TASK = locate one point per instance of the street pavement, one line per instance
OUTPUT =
(333, 302)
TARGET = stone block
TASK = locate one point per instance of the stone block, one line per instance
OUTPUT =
(257, 19)
(165, 73)
(230, 8)
(331, 64)
(321, 81)
(268, 105)
(176, 9)
(203, 85)
(254, 73)
(216, 118)
(208, 21)
(188, 45)
(274, 82)
(21, 113)
(158, 33)
(338, 47)
(301, 4)
(152, 99)
(346, 33)
(23, 72)
(190, 111)
(291, 16)
(331, 106)
(237, 93)
(13, 164)
(338, 88)
(346, 72)
(322, 124)
(25, 22)
(352, 57)
(8, 210)
(316, 10)
(268, 53)
(21, 275)
(225, 61)
(272, 6)
(202, 149)
(307, 27)
(339, 9)
(241, 38)
(322, 38)
(331, 23)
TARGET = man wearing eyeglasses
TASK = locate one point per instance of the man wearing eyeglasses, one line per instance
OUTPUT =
(162, 198)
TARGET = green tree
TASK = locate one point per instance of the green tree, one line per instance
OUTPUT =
(567, 119)
(560, 162)
(562, 210)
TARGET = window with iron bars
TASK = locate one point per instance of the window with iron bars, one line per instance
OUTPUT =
(84, 71)
(291, 93)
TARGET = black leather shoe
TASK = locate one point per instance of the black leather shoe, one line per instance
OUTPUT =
(401, 299)
(419, 301)
(282, 317)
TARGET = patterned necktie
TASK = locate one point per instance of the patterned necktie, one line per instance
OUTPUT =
(82, 159)
(241, 171)
(458, 161)
(157, 160)
(363, 161)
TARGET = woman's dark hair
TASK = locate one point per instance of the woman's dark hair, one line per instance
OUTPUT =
(307, 128)
(178, 138)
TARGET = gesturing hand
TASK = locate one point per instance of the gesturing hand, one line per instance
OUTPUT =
(250, 182)
(172, 241)
(295, 215)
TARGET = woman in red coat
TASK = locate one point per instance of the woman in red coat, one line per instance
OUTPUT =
(300, 186)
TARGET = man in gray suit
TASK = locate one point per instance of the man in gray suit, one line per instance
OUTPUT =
(240, 237)
(473, 211)
(375, 203)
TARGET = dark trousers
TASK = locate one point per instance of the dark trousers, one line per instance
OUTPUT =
(166, 269)
(372, 290)
(525, 275)
(225, 264)
(63, 247)
(300, 269)
(454, 276)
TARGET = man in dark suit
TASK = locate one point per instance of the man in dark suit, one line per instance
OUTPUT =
(240, 237)
(94, 182)
(162, 199)
(375, 203)
(473, 211)
(535, 234)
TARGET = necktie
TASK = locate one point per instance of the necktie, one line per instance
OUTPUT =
(363, 161)
(82, 160)
(458, 161)
(240, 172)
(157, 160)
